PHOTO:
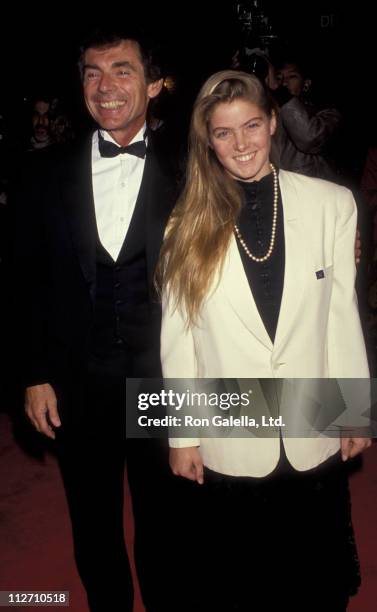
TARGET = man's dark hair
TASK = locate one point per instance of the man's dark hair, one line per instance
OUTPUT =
(150, 51)
(42, 96)
(300, 61)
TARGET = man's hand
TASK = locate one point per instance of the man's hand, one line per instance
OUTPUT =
(351, 447)
(40, 405)
(187, 462)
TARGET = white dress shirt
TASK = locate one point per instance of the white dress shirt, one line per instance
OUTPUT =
(116, 184)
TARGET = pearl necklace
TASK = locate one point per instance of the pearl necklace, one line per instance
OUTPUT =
(273, 230)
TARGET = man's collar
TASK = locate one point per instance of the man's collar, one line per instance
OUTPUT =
(141, 135)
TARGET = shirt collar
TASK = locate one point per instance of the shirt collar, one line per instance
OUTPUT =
(136, 138)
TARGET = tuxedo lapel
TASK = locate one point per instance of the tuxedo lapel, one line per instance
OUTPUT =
(149, 215)
(135, 235)
(77, 195)
(296, 254)
(158, 191)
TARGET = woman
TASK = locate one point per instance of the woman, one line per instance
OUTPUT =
(258, 274)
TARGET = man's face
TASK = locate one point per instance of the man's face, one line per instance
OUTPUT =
(292, 79)
(41, 121)
(115, 89)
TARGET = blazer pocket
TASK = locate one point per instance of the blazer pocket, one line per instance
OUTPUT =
(321, 288)
(322, 274)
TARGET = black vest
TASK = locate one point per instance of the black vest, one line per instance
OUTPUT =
(121, 307)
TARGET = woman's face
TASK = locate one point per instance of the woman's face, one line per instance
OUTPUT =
(240, 135)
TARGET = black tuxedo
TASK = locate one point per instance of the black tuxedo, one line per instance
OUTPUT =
(83, 338)
(56, 237)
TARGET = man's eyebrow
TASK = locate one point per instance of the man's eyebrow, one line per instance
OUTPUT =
(123, 64)
(120, 64)
(91, 67)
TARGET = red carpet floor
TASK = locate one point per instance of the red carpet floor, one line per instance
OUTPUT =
(35, 536)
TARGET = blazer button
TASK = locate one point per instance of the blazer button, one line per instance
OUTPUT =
(278, 365)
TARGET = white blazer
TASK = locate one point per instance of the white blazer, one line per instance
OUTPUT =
(318, 332)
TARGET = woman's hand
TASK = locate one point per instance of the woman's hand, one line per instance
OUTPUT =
(351, 447)
(187, 462)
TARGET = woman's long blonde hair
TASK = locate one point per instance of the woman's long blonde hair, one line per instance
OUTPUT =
(201, 225)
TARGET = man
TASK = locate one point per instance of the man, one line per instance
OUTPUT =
(88, 237)
(308, 132)
(40, 123)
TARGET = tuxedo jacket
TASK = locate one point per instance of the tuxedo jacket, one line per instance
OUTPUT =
(318, 332)
(55, 259)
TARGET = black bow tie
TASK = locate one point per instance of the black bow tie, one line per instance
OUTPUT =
(109, 149)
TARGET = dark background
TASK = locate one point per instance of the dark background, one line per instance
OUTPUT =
(39, 44)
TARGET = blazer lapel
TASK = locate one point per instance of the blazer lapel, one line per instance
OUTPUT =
(236, 288)
(296, 254)
(237, 291)
(77, 194)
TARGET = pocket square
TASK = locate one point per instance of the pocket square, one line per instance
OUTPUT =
(320, 274)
